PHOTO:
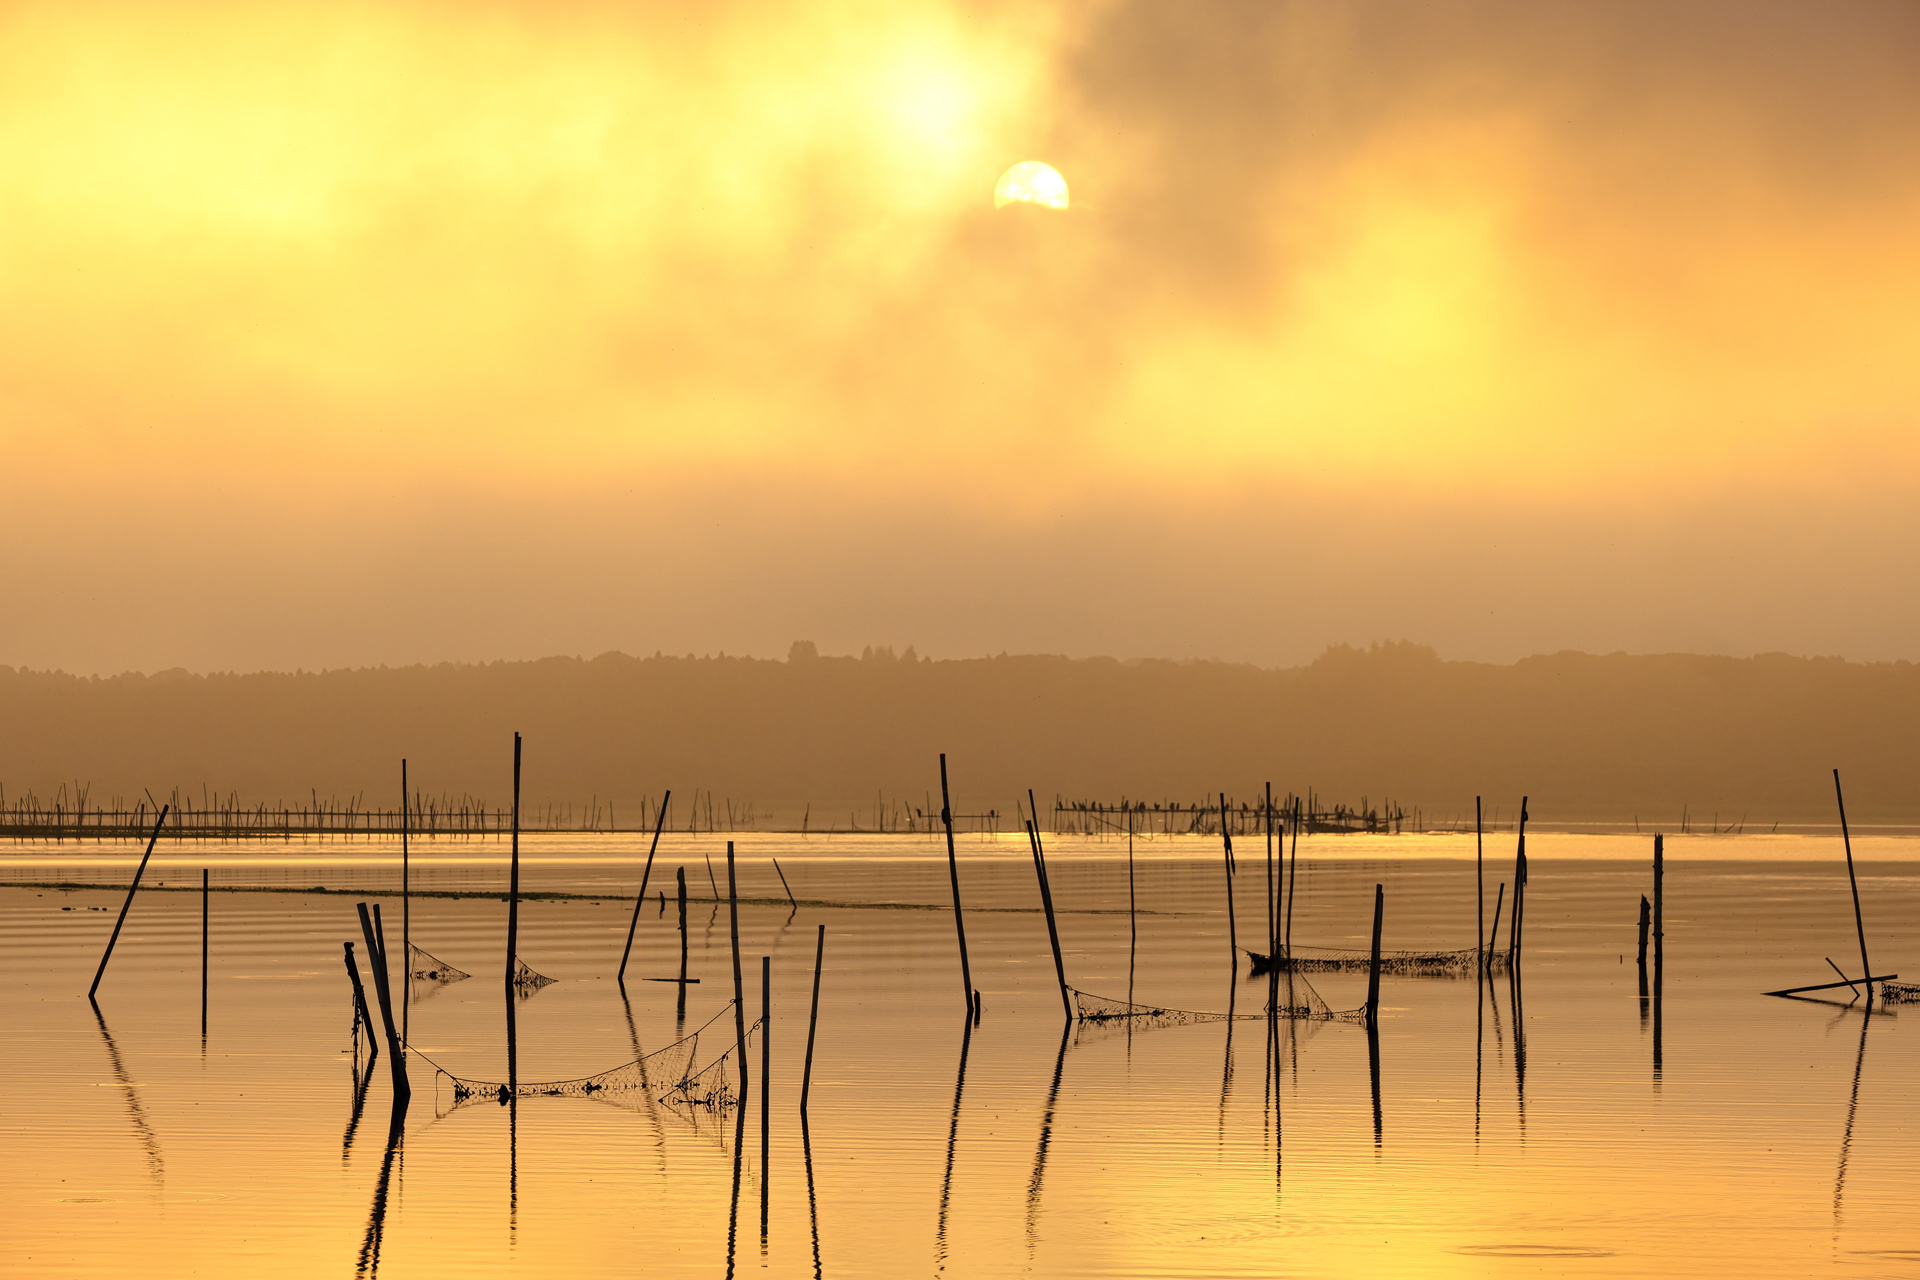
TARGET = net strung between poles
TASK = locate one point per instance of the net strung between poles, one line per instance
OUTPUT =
(1357, 960)
(668, 1074)
(427, 967)
(1297, 1002)
(1900, 992)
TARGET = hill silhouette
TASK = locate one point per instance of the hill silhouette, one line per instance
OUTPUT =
(1590, 738)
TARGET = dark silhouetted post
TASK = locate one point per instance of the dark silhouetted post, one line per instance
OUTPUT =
(1479, 879)
(360, 1007)
(680, 884)
(513, 878)
(1866, 970)
(1493, 939)
(953, 870)
(1646, 922)
(813, 1021)
(406, 906)
(377, 961)
(1373, 964)
(1659, 948)
(1293, 868)
(1273, 919)
(660, 820)
(739, 992)
(205, 923)
(784, 885)
(1046, 903)
(766, 1085)
(1233, 933)
(131, 890)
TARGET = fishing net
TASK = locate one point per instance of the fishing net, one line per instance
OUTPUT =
(668, 1075)
(1297, 1001)
(1900, 992)
(669, 1064)
(526, 980)
(427, 967)
(1354, 960)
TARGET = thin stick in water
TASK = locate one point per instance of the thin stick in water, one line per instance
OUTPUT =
(739, 991)
(1858, 922)
(953, 870)
(813, 1021)
(660, 821)
(125, 906)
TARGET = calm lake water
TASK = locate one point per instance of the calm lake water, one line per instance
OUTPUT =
(1518, 1132)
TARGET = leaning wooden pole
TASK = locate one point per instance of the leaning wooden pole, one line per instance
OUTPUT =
(1233, 932)
(1046, 904)
(739, 991)
(132, 889)
(377, 961)
(1293, 868)
(813, 1020)
(1373, 963)
(1859, 923)
(660, 820)
(953, 871)
(360, 1007)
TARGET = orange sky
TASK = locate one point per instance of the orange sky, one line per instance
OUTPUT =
(342, 293)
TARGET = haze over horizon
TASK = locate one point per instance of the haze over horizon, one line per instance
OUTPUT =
(347, 335)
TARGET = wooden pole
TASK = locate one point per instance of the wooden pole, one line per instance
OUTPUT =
(1293, 867)
(766, 1076)
(125, 906)
(1659, 912)
(953, 870)
(1133, 920)
(680, 883)
(660, 820)
(406, 906)
(360, 1006)
(1373, 964)
(377, 961)
(1493, 938)
(1646, 922)
(739, 992)
(1858, 922)
(813, 1021)
(1046, 903)
(205, 930)
(1233, 933)
(1517, 923)
(1479, 881)
(1273, 919)
(513, 878)
(784, 885)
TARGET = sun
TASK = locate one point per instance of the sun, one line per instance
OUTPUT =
(1031, 182)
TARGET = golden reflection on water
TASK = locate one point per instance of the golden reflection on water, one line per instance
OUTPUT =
(1493, 1128)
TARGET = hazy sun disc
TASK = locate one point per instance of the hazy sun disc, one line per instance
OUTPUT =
(1031, 182)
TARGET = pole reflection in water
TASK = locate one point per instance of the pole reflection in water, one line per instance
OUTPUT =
(1479, 1051)
(361, 1079)
(733, 1203)
(1373, 1071)
(1853, 1107)
(377, 1216)
(142, 1130)
(647, 1100)
(813, 1203)
(1226, 1069)
(1046, 1140)
(1519, 1045)
(953, 1137)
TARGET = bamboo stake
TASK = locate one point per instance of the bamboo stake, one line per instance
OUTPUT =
(1858, 922)
(360, 1006)
(813, 1021)
(406, 905)
(766, 1088)
(205, 922)
(784, 885)
(1046, 902)
(953, 870)
(1479, 880)
(127, 905)
(377, 960)
(1293, 868)
(1494, 937)
(513, 882)
(1373, 964)
(739, 993)
(1233, 934)
(640, 901)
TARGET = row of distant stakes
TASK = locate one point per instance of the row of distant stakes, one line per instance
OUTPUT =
(677, 1075)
